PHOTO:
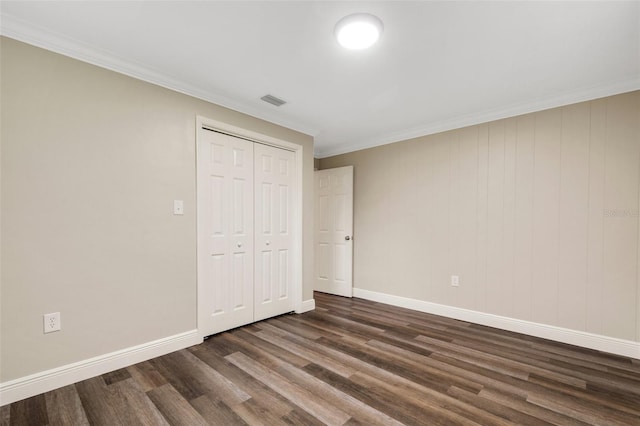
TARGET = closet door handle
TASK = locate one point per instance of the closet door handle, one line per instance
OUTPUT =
(239, 244)
(268, 243)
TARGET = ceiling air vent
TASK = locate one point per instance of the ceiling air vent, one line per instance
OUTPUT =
(273, 100)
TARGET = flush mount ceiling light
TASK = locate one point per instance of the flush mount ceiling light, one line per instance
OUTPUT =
(358, 31)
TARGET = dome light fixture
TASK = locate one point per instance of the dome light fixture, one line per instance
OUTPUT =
(358, 31)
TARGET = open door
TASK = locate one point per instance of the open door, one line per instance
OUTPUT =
(333, 270)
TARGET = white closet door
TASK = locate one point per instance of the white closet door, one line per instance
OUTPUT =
(225, 223)
(274, 241)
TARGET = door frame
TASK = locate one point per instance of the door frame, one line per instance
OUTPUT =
(223, 127)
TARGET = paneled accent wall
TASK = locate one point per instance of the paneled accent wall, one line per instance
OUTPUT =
(537, 214)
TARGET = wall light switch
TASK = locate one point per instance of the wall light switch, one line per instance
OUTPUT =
(178, 207)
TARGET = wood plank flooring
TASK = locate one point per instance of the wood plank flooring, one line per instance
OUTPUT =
(354, 362)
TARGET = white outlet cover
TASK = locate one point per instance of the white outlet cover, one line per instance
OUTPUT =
(51, 322)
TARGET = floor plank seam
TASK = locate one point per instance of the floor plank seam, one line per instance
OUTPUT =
(353, 361)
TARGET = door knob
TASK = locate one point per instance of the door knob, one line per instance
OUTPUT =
(239, 244)
(268, 242)
(347, 238)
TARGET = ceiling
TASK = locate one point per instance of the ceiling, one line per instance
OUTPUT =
(437, 66)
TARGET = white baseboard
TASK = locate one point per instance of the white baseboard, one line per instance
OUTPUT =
(35, 384)
(306, 306)
(564, 335)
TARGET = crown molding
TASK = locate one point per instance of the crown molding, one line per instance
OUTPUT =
(569, 98)
(26, 32)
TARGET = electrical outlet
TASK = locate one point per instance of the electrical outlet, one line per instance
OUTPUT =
(52, 322)
(455, 281)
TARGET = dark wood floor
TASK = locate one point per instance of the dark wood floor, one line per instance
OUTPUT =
(354, 362)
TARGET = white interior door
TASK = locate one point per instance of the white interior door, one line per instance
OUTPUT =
(333, 268)
(274, 240)
(225, 232)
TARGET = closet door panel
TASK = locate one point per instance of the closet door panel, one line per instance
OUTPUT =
(274, 178)
(225, 178)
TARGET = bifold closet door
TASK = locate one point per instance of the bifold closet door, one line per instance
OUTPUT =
(226, 213)
(274, 177)
(245, 239)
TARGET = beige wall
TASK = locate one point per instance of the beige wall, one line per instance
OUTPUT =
(91, 163)
(537, 214)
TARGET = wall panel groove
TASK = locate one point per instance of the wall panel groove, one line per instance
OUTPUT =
(537, 214)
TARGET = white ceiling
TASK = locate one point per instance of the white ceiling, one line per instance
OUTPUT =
(438, 65)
